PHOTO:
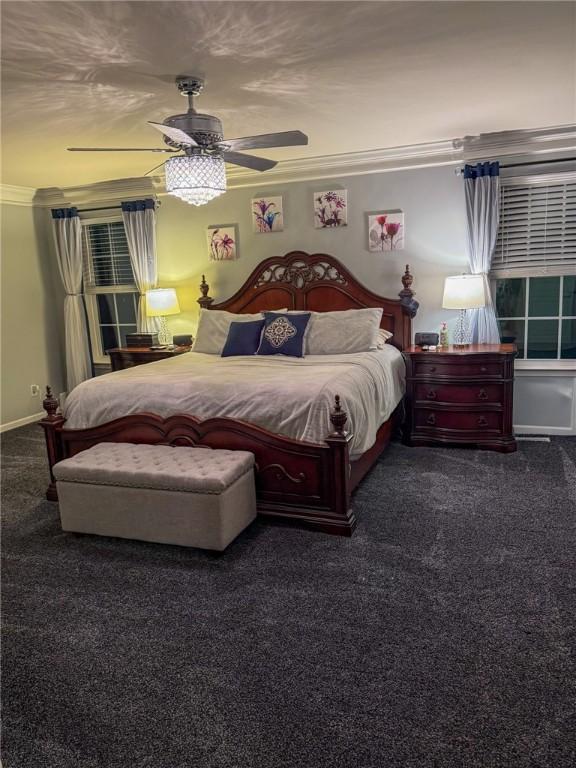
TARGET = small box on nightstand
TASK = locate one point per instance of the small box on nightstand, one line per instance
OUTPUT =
(141, 339)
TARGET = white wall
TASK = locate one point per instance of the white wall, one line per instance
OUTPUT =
(31, 314)
(432, 201)
(545, 402)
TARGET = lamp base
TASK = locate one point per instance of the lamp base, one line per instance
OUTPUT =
(462, 337)
(164, 335)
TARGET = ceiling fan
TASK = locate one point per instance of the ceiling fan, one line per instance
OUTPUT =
(196, 173)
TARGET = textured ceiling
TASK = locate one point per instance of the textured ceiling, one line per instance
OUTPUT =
(353, 75)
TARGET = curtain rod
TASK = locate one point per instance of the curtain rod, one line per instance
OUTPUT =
(529, 162)
(102, 208)
(112, 207)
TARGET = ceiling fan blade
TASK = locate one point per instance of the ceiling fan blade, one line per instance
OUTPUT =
(118, 149)
(175, 134)
(162, 164)
(249, 161)
(284, 139)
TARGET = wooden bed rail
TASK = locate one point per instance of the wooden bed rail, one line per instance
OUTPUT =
(295, 481)
(51, 424)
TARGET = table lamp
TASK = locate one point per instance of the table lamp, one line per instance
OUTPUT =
(463, 292)
(159, 303)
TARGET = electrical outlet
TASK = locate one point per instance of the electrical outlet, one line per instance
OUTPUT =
(34, 390)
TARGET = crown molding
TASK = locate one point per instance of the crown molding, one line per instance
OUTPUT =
(532, 142)
(103, 192)
(287, 171)
(350, 164)
(10, 194)
(525, 144)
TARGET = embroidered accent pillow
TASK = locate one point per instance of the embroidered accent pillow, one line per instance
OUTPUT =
(243, 338)
(283, 334)
(213, 327)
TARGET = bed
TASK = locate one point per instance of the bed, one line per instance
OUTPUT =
(315, 425)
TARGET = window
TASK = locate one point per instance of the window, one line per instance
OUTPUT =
(109, 286)
(538, 314)
(537, 231)
(534, 266)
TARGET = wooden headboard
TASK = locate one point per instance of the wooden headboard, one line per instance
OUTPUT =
(320, 283)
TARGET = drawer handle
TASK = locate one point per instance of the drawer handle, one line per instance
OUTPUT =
(431, 394)
(431, 419)
(482, 395)
(482, 421)
(432, 368)
(483, 369)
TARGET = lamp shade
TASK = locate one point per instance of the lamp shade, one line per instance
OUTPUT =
(196, 178)
(464, 292)
(161, 302)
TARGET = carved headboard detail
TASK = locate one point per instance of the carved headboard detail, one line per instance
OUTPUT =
(299, 274)
(320, 283)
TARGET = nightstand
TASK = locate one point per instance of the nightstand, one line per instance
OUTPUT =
(461, 396)
(128, 357)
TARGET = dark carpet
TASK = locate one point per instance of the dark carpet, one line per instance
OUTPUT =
(442, 634)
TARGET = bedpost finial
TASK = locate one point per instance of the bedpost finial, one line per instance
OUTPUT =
(409, 303)
(407, 280)
(338, 418)
(50, 404)
(205, 300)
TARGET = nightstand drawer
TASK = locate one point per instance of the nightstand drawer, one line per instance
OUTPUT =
(462, 368)
(458, 421)
(128, 357)
(467, 394)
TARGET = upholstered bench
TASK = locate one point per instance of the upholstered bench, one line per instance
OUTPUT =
(195, 497)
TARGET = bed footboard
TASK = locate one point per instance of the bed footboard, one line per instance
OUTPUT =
(308, 483)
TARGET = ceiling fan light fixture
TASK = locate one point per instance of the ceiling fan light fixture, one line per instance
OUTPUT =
(196, 178)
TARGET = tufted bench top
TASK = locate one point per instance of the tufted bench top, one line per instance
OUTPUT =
(174, 468)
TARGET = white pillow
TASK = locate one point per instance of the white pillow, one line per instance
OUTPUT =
(383, 337)
(343, 332)
(213, 327)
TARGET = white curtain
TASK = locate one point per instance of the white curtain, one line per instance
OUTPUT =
(482, 192)
(68, 241)
(140, 225)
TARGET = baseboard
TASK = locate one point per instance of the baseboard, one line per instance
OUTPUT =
(21, 422)
(523, 429)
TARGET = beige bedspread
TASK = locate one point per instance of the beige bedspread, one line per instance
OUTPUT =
(286, 395)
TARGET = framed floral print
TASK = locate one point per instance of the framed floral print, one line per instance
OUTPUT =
(331, 209)
(267, 214)
(386, 231)
(222, 243)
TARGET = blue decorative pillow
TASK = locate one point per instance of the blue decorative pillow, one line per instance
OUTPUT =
(283, 334)
(243, 338)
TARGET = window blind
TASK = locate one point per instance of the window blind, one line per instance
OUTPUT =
(537, 231)
(106, 256)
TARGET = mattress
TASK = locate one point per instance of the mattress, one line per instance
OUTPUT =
(285, 395)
